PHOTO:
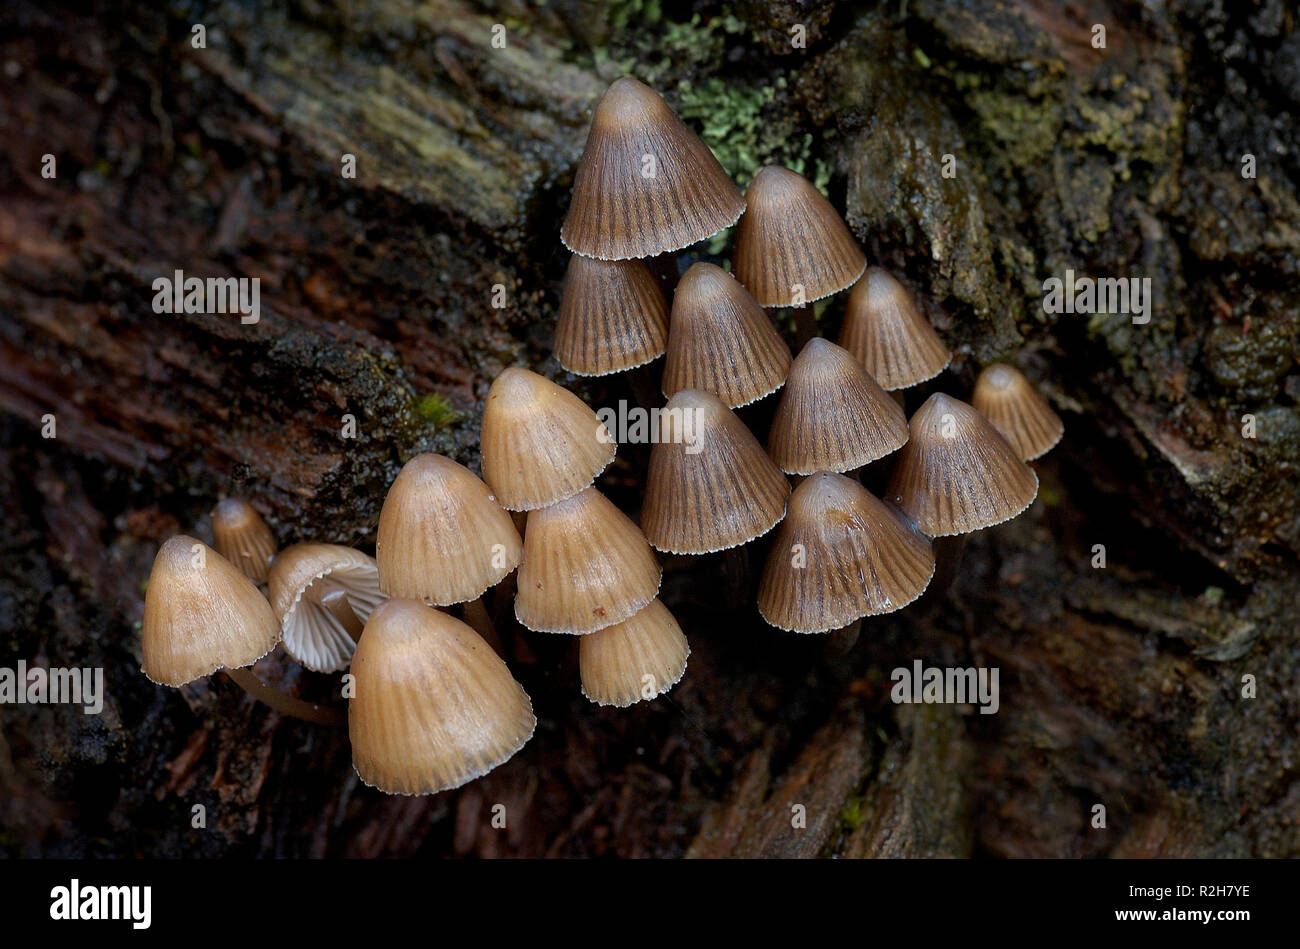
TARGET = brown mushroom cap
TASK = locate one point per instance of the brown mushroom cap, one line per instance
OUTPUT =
(957, 474)
(839, 555)
(622, 206)
(721, 341)
(540, 442)
(586, 566)
(832, 415)
(1007, 399)
(886, 332)
(300, 575)
(201, 614)
(443, 538)
(241, 536)
(790, 238)
(613, 317)
(434, 706)
(710, 485)
(635, 660)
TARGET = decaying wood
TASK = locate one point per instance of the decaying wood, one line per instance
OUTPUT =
(1123, 686)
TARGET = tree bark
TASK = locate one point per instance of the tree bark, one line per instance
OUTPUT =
(976, 148)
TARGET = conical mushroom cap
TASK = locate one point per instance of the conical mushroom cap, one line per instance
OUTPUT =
(839, 555)
(646, 184)
(300, 575)
(832, 415)
(540, 443)
(201, 614)
(956, 474)
(616, 661)
(434, 706)
(586, 566)
(888, 334)
(443, 538)
(1007, 399)
(613, 316)
(721, 341)
(791, 245)
(710, 485)
(241, 536)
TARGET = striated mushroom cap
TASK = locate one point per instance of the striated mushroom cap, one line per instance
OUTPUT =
(646, 184)
(957, 474)
(888, 334)
(710, 485)
(1007, 399)
(540, 442)
(792, 246)
(434, 706)
(839, 555)
(201, 614)
(721, 341)
(832, 415)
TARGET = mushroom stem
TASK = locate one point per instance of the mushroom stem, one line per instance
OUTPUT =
(841, 640)
(286, 704)
(947, 562)
(664, 268)
(805, 325)
(735, 573)
(644, 391)
(336, 601)
(478, 617)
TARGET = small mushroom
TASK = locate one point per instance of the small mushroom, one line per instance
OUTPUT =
(540, 442)
(957, 474)
(613, 317)
(635, 660)
(322, 595)
(202, 614)
(721, 341)
(434, 707)
(841, 554)
(832, 415)
(443, 538)
(792, 246)
(886, 332)
(586, 566)
(1007, 399)
(646, 184)
(241, 536)
(710, 485)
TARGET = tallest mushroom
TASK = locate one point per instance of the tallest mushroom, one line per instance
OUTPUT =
(646, 186)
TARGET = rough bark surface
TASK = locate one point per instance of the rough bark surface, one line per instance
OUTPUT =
(1120, 687)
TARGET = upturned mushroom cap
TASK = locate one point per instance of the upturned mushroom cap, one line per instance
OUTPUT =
(646, 184)
(635, 660)
(443, 538)
(586, 566)
(957, 474)
(839, 555)
(791, 245)
(540, 443)
(201, 614)
(886, 332)
(721, 341)
(832, 415)
(434, 706)
(710, 485)
(613, 316)
(1007, 399)
(300, 575)
(241, 536)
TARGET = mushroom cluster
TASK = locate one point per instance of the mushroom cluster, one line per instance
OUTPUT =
(647, 187)
(432, 705)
